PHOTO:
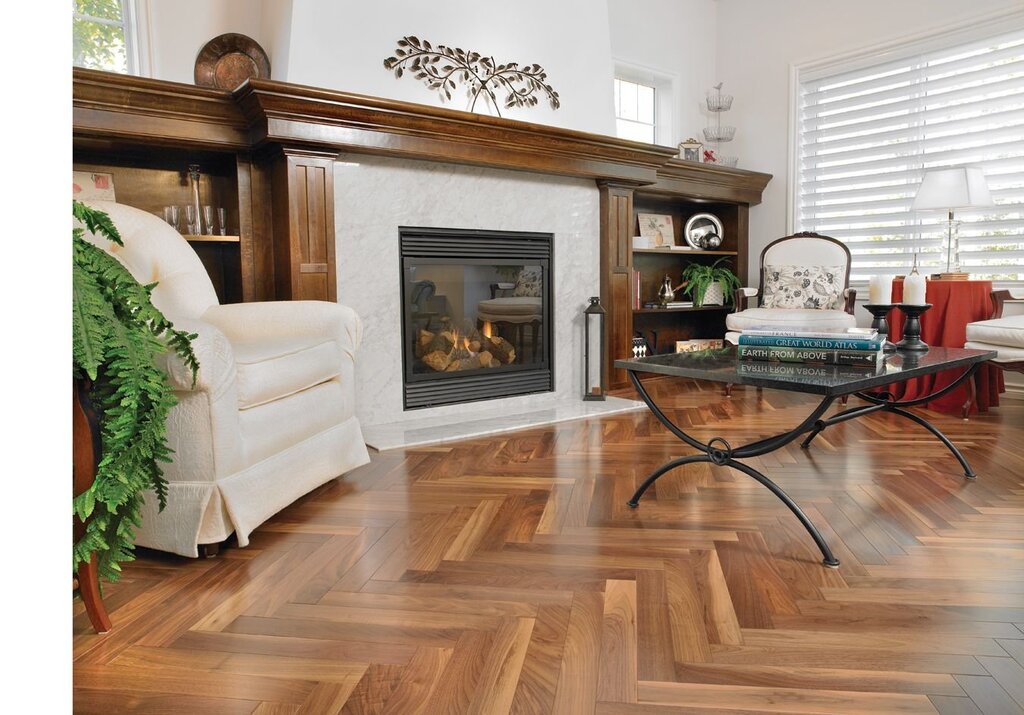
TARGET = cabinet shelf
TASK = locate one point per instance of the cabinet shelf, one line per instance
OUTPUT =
(669, 252)
(641, 311)
(217, 238)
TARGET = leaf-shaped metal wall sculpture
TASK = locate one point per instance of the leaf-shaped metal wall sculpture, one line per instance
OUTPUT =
(441, 67)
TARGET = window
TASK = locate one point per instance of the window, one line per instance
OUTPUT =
(866, 134)
(105, 36)
(634, 111)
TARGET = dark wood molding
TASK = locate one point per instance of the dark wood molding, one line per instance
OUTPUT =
(108, 106)
(279, 112)
(708, 182)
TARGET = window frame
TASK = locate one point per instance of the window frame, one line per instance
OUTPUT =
(135, 24)
(664, 93)
(937, 38)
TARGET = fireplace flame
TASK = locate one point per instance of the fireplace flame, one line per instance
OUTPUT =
(487, 329)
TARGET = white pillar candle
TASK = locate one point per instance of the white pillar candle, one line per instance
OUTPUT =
(880, 290)
(914, 289)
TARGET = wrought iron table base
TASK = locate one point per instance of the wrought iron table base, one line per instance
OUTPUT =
(720, 452)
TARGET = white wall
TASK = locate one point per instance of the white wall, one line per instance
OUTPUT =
(676, 38)
(758, 42)
(342, 45)
(180, 28)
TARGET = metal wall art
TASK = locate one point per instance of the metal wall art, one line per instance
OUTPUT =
(441, 67)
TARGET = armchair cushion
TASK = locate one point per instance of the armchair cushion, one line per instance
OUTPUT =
(272, 368)
(1006, 332)
(808, 318)
(803, 286)
(245, 322)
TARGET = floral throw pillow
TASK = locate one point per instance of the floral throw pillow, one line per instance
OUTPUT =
(803, 287)
(528, 283)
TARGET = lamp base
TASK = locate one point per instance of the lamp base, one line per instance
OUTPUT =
(950, 276)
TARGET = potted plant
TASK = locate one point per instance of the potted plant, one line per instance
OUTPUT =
(710, 285)
(117, 337)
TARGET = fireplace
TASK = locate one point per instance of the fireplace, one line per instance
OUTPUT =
(476, 315)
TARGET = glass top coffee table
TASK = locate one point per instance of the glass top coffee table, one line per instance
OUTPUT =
(829, 381)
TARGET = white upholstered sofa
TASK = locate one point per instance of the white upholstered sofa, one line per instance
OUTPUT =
(272, 415)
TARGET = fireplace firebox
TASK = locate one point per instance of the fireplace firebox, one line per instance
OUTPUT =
(476, 321)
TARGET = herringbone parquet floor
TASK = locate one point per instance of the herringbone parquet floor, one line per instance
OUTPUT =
(506, 574)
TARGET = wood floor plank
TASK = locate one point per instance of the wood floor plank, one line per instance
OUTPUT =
(618, 677)
(578, 676)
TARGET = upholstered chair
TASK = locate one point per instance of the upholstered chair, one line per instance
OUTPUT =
(272, 414)
(805, 285)
(1003, 332)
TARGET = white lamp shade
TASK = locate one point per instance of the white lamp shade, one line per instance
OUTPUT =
(955, 188)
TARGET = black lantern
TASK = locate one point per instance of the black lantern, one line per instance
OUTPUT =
(594, 385)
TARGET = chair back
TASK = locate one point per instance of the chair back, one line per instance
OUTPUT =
(154, 252)
(806, 249)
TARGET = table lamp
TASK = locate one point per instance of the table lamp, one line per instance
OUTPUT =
(949, 189)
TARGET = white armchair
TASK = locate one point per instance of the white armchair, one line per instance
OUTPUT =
(272, 415)
(805, 285)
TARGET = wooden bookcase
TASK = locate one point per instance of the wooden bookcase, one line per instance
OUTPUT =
(682, 190)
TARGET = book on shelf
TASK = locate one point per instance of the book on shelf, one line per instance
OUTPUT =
(833, 343)
(637, 300)
(764, 368)
(848, 333)
(811, 355)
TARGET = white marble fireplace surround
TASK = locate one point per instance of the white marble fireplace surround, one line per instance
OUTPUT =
(376, 195)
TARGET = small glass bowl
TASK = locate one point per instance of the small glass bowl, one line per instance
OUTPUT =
(729, 161)
(719, 134)
(719, 102)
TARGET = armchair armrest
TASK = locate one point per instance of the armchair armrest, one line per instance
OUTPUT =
(214, 353)
(999, 299)
(741, 295)
(495, 287)
(288, 318)
(851, 300)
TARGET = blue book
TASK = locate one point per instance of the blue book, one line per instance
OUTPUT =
(779, 341)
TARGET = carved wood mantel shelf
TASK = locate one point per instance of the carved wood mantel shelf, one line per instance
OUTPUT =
(284, 137)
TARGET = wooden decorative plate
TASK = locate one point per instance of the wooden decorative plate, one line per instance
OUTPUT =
(228, 60)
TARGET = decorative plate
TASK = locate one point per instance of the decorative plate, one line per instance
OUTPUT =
(703, 231)
(228, 60)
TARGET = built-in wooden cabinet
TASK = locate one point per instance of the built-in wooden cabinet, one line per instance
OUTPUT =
(682, 190)
(152, 179)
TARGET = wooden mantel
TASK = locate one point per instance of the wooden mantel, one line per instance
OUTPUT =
(285, 137)
(264, 113)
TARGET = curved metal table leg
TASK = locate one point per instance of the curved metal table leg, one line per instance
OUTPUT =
(830, 560)
(884, 402)
(718, 451)
(968, 472)
(667, 467)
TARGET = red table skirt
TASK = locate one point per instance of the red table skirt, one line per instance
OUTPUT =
(954, 305)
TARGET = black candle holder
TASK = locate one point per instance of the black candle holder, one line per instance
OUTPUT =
(881, 311)
(912, 328)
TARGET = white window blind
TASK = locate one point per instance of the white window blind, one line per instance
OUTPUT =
(867, 135)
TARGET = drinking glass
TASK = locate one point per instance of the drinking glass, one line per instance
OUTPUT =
(222, 221)
(190, 219)
(171, 216)
(208, 220)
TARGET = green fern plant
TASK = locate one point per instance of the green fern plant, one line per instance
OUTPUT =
(118, 335)
(699, 277)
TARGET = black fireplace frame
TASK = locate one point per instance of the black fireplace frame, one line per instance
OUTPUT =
(476, 247)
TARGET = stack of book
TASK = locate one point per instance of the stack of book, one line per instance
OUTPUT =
(855, 346)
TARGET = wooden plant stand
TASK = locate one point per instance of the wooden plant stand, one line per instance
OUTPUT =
(86, 440)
